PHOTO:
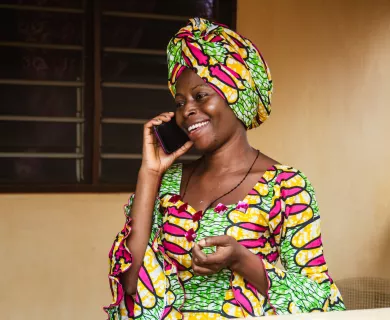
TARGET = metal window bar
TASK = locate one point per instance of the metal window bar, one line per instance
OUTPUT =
(47, 155)
(23, 7)
(129, 85)
(126, 156)
(42, 119)
(17, 44)
(79, 136)
(123, 121)
(134, 51)
(144, 15)
(54, 83)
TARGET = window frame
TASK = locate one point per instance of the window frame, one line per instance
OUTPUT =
(92, 101)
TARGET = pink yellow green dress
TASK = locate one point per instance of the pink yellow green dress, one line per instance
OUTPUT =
(279, 218)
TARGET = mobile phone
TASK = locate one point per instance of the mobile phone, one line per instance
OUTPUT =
(170, 136)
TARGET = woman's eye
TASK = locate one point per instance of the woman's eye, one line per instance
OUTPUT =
(200, 96)
(179, 104)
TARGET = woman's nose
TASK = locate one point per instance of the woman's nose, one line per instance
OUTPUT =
(189, 109)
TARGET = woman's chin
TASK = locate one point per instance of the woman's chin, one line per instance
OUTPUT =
(204, 146)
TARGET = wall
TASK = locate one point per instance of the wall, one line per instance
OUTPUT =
(330, 62)
(54, 254)
(331, 67)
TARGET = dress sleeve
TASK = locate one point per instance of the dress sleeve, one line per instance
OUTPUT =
(120, 260)
(294, 221)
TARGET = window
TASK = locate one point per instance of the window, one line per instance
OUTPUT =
(77, 81)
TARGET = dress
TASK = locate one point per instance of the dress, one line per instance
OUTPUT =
(279, 217)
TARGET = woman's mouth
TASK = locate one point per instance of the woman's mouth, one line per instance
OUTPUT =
(192, 129)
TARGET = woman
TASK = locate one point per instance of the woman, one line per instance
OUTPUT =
(201, 240)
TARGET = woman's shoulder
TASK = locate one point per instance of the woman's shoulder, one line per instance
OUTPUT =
(279, 172)
(284, 168)
(286, 176)
(270, 169)
(280, 168)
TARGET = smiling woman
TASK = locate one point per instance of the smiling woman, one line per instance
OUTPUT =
(235, 199)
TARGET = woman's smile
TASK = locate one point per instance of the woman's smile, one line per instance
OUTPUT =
(197, 129)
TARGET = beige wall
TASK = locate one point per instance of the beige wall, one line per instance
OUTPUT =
(54, 252)
(330, 62)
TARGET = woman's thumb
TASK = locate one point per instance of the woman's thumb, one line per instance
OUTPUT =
(183, 149)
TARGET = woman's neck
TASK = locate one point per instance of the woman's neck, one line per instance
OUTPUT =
(234, 155)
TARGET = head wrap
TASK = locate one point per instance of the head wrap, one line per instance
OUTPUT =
(228, 62)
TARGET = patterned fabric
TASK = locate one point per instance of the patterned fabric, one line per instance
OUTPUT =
(228, 62)
(278, 218)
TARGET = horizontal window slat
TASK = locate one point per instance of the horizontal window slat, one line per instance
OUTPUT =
(23, 7)
(123, 121)
(134, 51)
(41, 155)
(183, 8)
(134, 85)
(42, 119)
(55, 83)
(19, 44)
(122, 156)
(144, 15)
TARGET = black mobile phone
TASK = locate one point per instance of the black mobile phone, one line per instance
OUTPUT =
(170, 136)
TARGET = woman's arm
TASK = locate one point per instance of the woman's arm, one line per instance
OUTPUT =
(154, 163)
(128, 250)
(251, 268)
(141, 223)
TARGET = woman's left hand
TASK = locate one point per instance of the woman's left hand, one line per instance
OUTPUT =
(227, 255)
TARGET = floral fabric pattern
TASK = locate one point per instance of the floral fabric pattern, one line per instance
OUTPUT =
(228, 62)
(279, 218)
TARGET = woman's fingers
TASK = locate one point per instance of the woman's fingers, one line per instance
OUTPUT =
(167, 116)
(148, 127)
(151, 155)
(183, 149)
(217, 258)
(198, 265)
(153, 151)
(163, 117)
(197, 254)
(219, 241)
(202, 271)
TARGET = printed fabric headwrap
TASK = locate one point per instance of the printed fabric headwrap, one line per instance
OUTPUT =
(228, 62)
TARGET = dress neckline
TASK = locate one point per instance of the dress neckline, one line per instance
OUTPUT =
(229, 206)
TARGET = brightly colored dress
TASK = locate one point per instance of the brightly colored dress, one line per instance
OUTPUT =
(278, 218)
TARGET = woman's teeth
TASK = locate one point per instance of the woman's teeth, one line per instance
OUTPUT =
(197, 125)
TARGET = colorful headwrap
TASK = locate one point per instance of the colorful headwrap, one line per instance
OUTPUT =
(228, 62)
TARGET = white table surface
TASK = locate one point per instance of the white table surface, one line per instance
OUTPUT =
(380, 314)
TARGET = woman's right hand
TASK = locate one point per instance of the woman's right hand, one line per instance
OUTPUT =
(154, 159)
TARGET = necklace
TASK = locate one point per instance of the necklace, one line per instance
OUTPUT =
(225, 194)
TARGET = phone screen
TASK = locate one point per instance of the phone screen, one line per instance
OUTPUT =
(170, 136)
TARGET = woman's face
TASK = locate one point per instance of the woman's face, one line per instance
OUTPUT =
(203, 114)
